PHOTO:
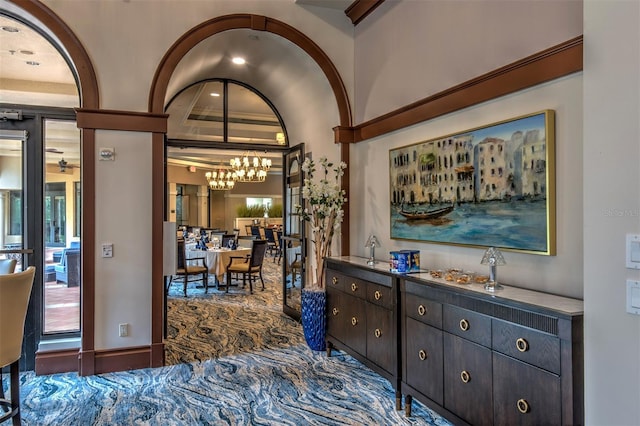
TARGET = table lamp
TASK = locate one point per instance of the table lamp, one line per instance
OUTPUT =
(493, 257)
(372, 243)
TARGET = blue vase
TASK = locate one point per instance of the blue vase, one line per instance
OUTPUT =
(314, 318)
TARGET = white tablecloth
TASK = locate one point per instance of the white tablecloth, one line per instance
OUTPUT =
(217, 260)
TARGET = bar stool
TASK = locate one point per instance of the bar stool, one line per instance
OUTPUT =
(15, 290)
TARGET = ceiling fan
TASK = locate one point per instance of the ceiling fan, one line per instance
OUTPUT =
(64, 165)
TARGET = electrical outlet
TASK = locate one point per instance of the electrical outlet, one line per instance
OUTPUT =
(123, 330)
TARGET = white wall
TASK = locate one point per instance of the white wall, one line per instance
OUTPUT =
(560, 274)
(408, 50)
(611, 209)
(123, 209)
(126, 41)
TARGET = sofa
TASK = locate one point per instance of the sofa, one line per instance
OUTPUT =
(68, 270)
(57, 255)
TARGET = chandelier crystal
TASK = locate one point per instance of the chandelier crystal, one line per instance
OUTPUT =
(221, 180)
(251, 170)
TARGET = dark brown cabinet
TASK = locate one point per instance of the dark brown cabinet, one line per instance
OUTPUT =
(505, 358)
(504, 362)
(362, 319)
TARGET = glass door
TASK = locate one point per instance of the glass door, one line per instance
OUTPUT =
(39, 223)
(18, 236)
(293, 239)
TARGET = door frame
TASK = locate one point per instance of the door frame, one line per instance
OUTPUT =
(33, 179)
(286, 214)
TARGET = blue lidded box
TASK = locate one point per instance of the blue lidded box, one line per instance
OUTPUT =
(399, 261)
(413, 259)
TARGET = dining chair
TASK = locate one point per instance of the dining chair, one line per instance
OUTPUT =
(248, 266)
(278, 246)
(188, 267)
(271, 240)
(15, 291)
(7, 266)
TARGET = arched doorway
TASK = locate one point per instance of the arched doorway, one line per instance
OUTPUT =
(164, 86)
(39, 19)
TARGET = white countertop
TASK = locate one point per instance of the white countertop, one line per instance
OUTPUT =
(545, 300)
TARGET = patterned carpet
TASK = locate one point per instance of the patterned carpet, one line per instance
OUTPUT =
(237, 360)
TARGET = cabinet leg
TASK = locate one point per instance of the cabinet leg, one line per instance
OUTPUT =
(398, 400)
(329, 348)
(407, 405)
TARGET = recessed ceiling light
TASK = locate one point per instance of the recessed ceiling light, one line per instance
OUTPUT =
(10, 29)
(34, 63)
(238, 60)
(215, 94)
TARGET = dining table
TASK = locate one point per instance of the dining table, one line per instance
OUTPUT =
(218, 259)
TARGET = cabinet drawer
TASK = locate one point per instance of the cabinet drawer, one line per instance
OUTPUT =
(336, 314)
(348, 284)
(524, 395)
(381, 337)
(355, 324)
(423, 310)
(468, 324)
(380, 295)
(468, 378)
(334, 280)
(525, 344)
(423, 359)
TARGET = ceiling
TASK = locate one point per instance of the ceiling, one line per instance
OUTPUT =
(32, 72)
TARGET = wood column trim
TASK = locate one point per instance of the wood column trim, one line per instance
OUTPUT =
(550, 64)
(88, 253)
(157, 249)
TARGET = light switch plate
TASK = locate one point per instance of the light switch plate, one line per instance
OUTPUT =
(107, 250)
(633, 297)
(633, 251)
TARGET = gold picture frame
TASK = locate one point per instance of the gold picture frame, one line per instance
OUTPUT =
(491, 186)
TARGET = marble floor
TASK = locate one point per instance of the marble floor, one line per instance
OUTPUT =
(233, 359)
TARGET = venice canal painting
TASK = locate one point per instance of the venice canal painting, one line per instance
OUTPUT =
(489, 186)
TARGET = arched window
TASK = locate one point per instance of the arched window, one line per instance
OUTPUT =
(223, 110)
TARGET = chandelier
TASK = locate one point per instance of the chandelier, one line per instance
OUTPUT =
(221, 180)
(251, 170)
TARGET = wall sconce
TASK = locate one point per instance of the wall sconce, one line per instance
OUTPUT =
(280, 138)
(372, 243)
(493, 257)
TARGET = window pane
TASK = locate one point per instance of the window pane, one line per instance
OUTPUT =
(62, 219)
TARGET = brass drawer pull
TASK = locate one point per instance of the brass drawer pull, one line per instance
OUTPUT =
(354, 320)
(464, 325)
(422, 310)
(377, 333)
(422, 355)
(335, 311)
(465, 377)
(377, 295)
(354, 286)
(522, 345)
(334, 280)
(523, 406)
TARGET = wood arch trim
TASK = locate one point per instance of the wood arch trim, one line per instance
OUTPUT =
(89, 98)
(246, 21)
(547, 65)
(89, 94)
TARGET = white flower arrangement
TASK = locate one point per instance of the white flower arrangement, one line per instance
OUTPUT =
(323, 211)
